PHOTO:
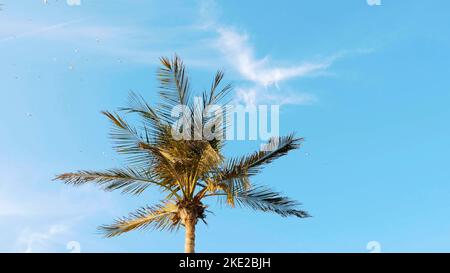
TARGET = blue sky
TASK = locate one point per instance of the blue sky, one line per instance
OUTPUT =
(366, 85)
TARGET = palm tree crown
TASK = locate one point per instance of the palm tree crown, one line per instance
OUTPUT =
(186, 171)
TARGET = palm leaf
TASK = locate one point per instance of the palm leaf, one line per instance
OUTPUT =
(153, 125)
(159, 217)
(263, 199)
(128, 180)
(174, 87)
(129, 142)
(234, 175)
(253, 164)
(215, 95)
(138, 105)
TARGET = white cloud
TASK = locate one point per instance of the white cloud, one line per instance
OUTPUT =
(240, 54)
(31, 241)
(260, 73)
(20, 202)
(29, 202)
(208, 12)
(19, 29)
(125, 42)
(256, 95)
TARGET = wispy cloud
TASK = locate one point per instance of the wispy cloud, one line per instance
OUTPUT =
(125, 42)
(254, 95)
(235, 46)
(42, 215)
(16, 30)
(261, 74)
(32, 241)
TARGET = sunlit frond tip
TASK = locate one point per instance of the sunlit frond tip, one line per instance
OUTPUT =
(158, 217)
(127, 180)
(253, 163)
(264, 199)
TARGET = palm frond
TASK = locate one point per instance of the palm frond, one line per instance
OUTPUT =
(263, 199)
(128, 180)
(159, 217)
(138, 105)
(206, 161)
(174, 87)
(215, 95)
(233, 177)
(128, 141)
(253, 164)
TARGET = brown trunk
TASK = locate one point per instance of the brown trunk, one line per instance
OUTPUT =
(189, 240)
(189, 219)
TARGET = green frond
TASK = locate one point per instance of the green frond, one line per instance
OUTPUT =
(214, 96)
(263, 199)
(152, 122)
(174, 87)
(128, 141)
(127, 180)
(158, 217)
(209, 158)
(138, 105)
(233, 177)
(253, 164)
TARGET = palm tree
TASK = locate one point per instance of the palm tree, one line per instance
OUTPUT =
(188, 172)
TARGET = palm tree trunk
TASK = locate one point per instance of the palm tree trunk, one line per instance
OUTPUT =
(189, 240)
